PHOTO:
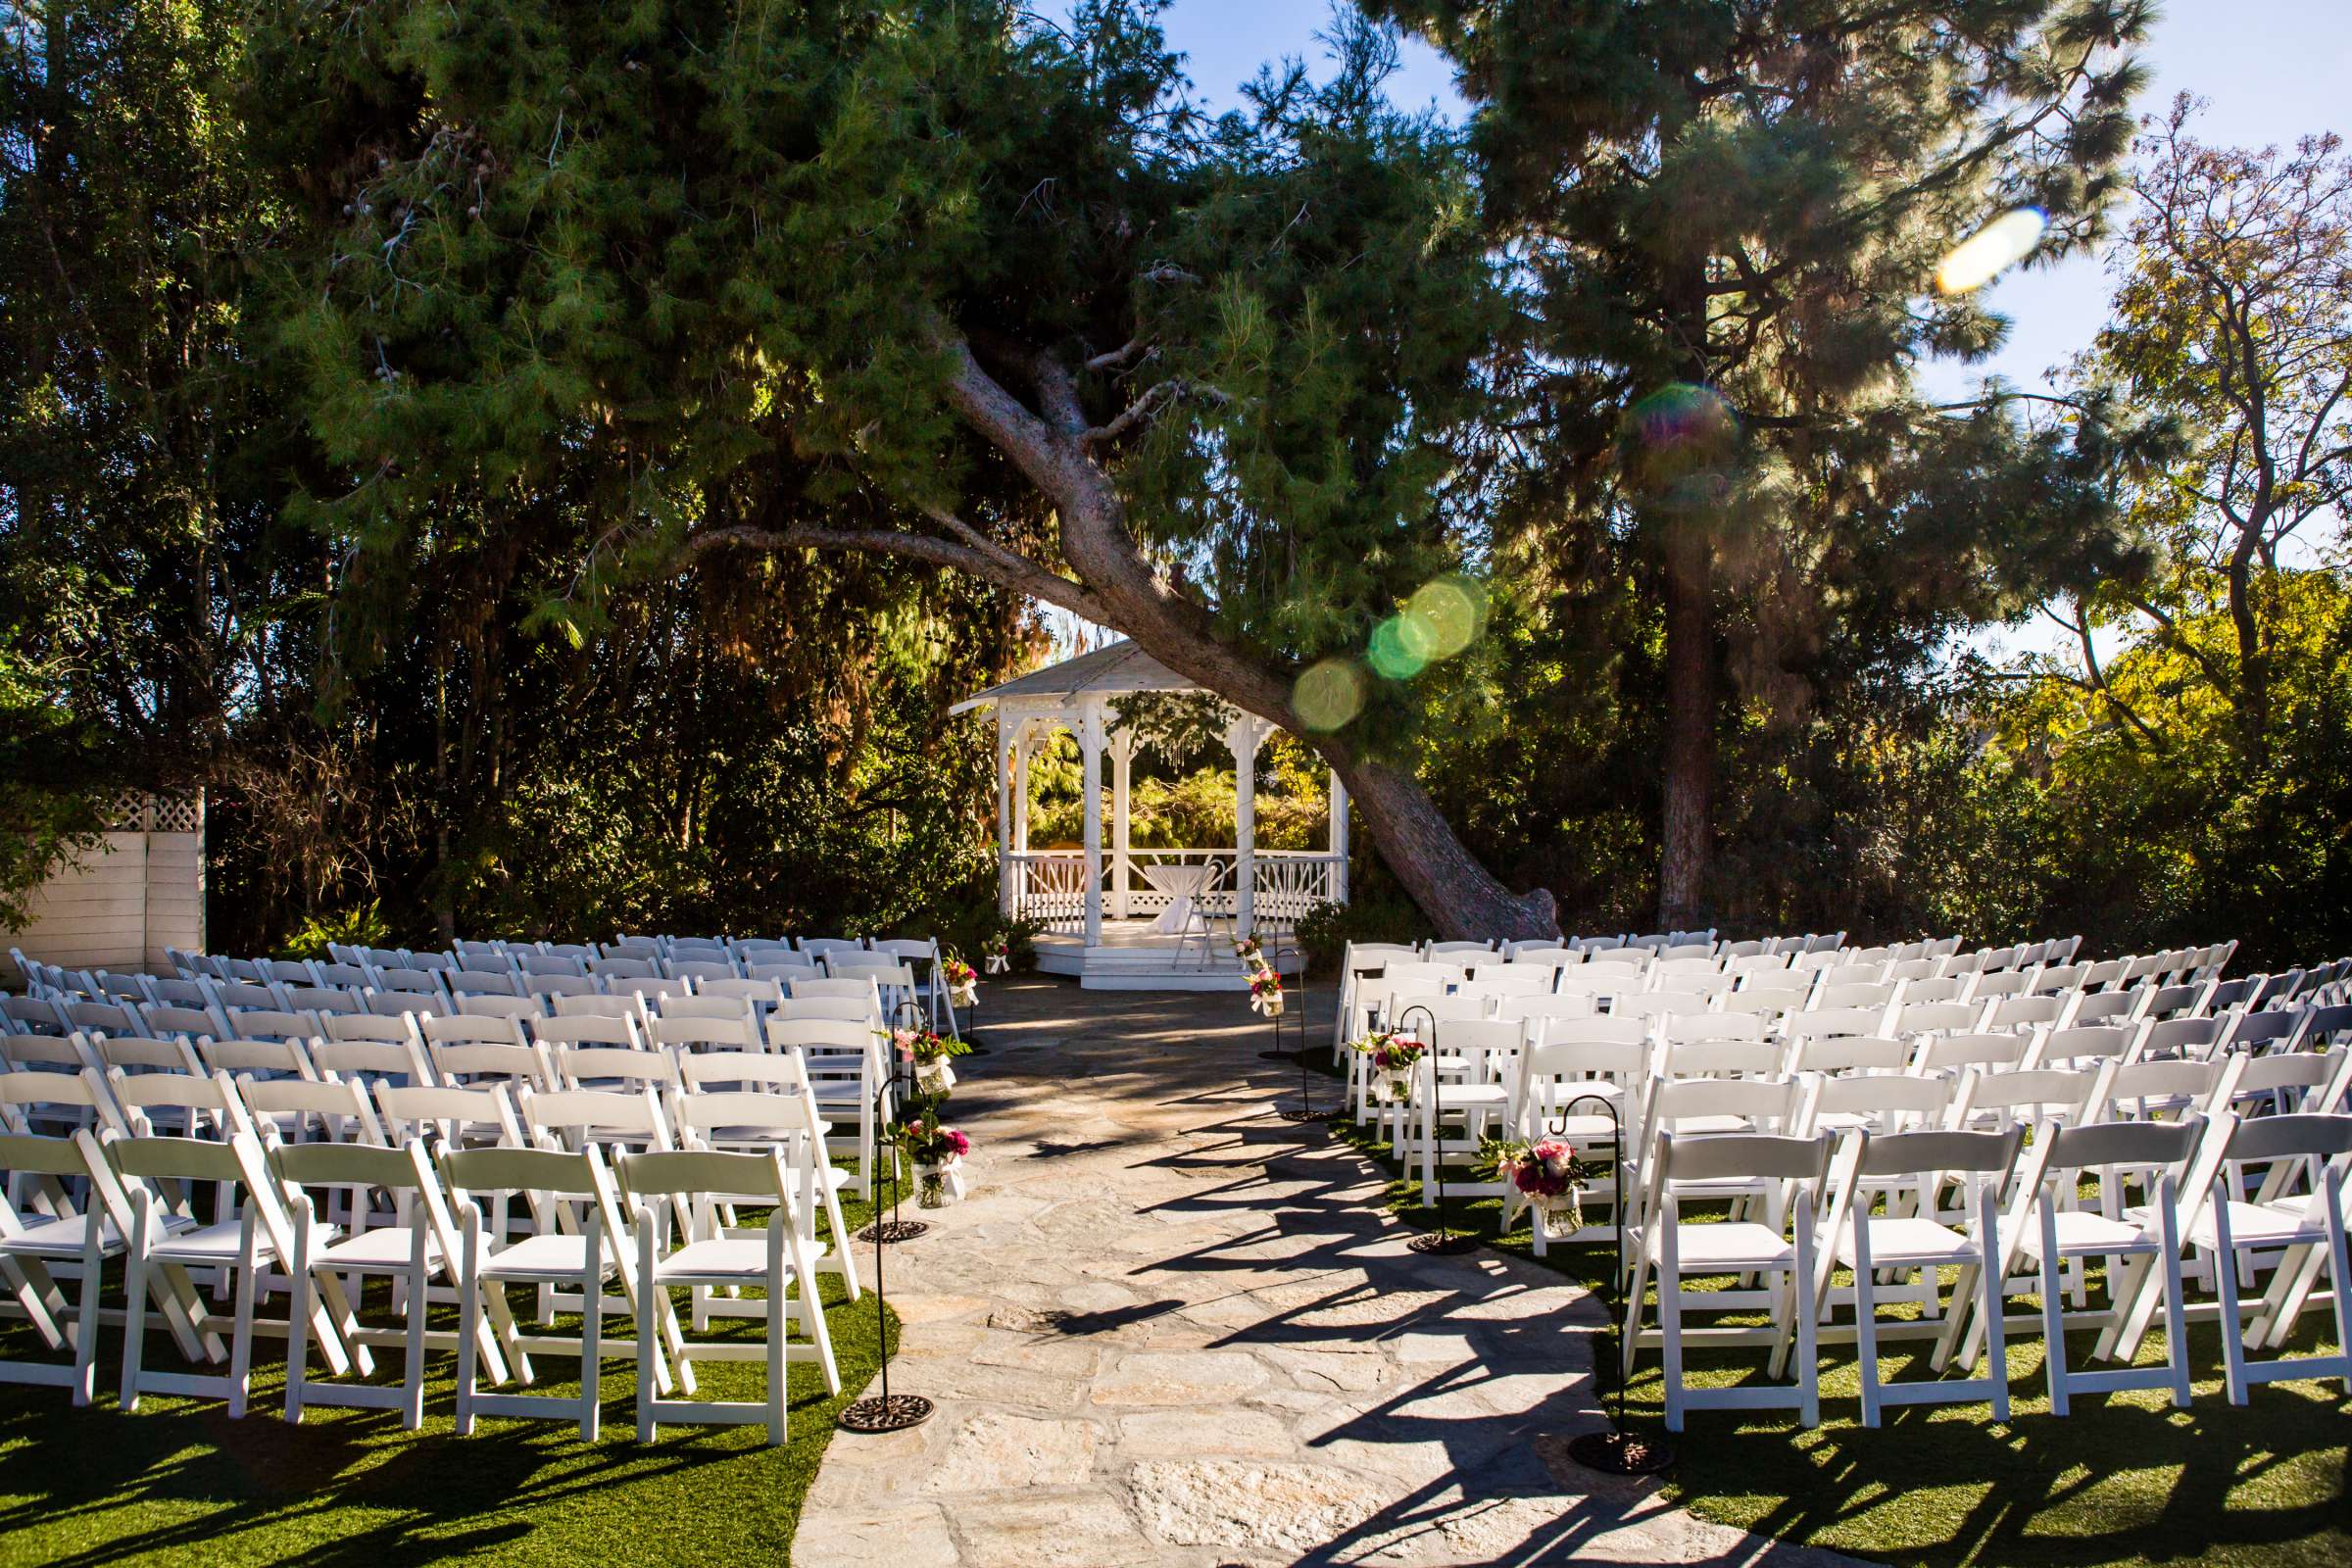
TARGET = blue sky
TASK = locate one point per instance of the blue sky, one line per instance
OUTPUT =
(2271, 69)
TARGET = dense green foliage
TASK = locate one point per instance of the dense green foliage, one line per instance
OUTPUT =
(512, 458)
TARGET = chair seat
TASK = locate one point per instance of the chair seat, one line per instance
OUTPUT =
(1708, 1126)
(724, 1257)
(1908, 1241)
(553, 1259)
(2277, 1224)
(214, 1244)
(387, 1246)
(1464, 1095)
(61, 1238)
(2085, 1234)
(1730, 1246)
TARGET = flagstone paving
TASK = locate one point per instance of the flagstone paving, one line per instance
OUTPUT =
(1170, 1328)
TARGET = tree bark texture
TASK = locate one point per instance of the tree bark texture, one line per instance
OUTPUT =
(1688, 775)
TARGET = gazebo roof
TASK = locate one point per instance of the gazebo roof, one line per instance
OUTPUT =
(1119, 666)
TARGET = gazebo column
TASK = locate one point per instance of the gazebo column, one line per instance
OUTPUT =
(1338, 838)
(1004, 771)
(1090, 748)
(1122, 767)
(1020, 793)
(1243, 738)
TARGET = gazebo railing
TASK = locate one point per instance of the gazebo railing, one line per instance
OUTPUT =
(1050, 885)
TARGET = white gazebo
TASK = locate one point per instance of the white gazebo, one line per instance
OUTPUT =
(1108, 915)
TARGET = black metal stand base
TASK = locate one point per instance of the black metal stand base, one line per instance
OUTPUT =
(890, 1412)
(893, 1230)
(1620, 1454)
(1300, 1113)
(1278, 1056)
(1445, 1243)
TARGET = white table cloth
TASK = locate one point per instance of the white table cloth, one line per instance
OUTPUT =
(1182, 883)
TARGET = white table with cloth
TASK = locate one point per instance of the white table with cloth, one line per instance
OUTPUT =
(1182, 884)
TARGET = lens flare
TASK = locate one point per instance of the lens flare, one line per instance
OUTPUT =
(1329, 694)
(1680, 415)
(1399, 648)
(1450, 611)
(1990, 251)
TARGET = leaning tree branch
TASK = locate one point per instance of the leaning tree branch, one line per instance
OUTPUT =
(987, 561)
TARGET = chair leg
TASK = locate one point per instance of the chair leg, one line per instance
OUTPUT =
(2053, 1310)
(1865, 1322)
(469, 1318)
(1808, 1328)
(135, 1298)
(298, 1314)
(592, 1341)
(1996, 1343)
(240, 1343)
(1670, 1319)
(645, 1287)
(85, 1321)
(2175, 1312)
(411, 1375)
(2234, 1326)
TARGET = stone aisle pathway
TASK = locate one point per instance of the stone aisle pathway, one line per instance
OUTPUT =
(1170, 1328)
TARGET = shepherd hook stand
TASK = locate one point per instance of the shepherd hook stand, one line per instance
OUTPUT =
(894, 1228)
(1305, 1111)
(1616, 1452)
(886, 1411)
(1444, 1242)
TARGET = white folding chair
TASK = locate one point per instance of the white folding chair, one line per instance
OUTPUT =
(2294, 1229)
(420, 1245)
(50, 1230)
(1921, 1244)
(164, 1241)
(579, 1244)
(688, 1188)
(1792, 1171)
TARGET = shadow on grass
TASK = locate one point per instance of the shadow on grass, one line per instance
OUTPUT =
(181, 1482)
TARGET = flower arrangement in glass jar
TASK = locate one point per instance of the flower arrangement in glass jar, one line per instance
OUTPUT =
(929, 1053)
(996, 953)
(962, 982)
(1547, 1177)
(1394, 1057)
(1251, 955)
(1265, 992)
(937, 1154)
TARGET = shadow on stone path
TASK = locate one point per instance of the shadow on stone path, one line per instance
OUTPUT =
(1170, 1328)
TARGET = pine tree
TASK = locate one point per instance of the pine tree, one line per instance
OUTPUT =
(1731, 217)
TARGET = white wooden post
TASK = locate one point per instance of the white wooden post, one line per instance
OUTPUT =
(1004, 771)
(1338, 838)
(1122, 766)
(1243, 738)
(1090, 748)
(1020, 792)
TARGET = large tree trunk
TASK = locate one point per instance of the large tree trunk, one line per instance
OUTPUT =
(1460, 896)
(1687, 827)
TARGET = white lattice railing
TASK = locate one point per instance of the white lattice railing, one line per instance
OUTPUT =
(1051, 885)
(129, 810)
(1290, 882)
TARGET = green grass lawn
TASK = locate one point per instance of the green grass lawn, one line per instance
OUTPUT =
(2125, 1479)
(180, 1481)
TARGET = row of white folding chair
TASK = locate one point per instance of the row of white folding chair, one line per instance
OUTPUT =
(505, 1090)
(2191, 1205)
(1856, 1081)
(133, 1213)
